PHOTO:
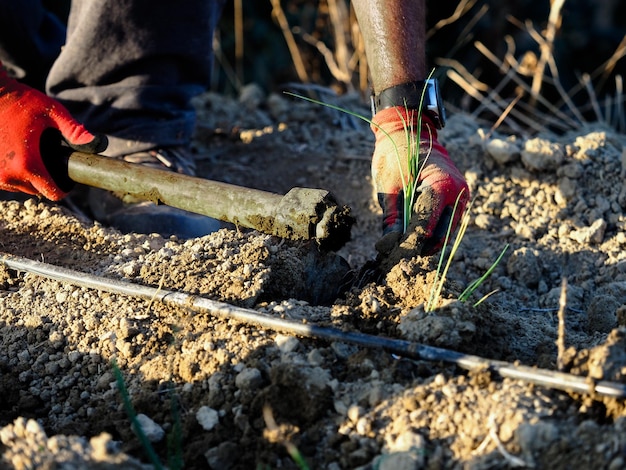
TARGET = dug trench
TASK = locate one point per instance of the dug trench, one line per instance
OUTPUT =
(217, 393)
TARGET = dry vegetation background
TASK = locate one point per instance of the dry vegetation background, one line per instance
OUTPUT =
(556, 60)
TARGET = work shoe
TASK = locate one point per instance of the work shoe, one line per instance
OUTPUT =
(129, 214)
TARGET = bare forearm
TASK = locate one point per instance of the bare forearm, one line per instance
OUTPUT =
(394, 32)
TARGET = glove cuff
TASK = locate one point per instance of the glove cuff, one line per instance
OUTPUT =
(399, 118)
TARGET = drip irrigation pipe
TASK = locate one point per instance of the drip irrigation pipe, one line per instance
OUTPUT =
(416, 351)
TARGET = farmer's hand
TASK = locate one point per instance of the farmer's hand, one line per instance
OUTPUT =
(32, 125)
(439, 182)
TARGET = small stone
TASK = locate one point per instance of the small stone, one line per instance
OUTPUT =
(363, 426)
(224, 456)
(153, 432)
(565, 192)
(617, 463)
(207, 417)
(399, 461)
(407, 441)
(315, 357)
(102, 446)
(74, 356)
(249, 379)
(590, 235)
(286, 344)
(503, 151)
(251, 96)
(540, 155)
(535, 437)
(355, 412)
(104, 381)
(23, 355)
(524, 265)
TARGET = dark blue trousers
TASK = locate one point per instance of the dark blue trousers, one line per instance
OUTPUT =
(125, 68)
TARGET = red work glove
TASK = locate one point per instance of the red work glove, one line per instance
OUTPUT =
(439, 182)
(32, 127)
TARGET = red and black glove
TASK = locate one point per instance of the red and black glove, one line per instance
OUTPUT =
(439, 182)
(32, 127)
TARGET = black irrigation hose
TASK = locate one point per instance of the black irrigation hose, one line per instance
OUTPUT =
(543, 377)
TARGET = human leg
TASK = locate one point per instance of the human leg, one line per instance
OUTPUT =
(130, 68)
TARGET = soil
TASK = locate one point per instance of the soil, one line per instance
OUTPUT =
(211, 391)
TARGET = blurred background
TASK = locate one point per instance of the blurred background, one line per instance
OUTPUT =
(487, 54)
(523, 64)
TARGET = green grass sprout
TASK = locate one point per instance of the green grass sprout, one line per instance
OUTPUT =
(469, 290)
(485, 297)
(130, 411)
(175, 437)
(414, 148)
(290, 447)
(442, 271)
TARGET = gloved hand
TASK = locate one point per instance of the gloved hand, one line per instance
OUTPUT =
(32, 127)
(439, 182)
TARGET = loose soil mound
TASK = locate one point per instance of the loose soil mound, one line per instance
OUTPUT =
(218, 393)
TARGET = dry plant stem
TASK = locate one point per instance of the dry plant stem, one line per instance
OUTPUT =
(292, 450)
(461, 9)
(492, 436)
(604, 69)
(333, 65)
(586, 81)
(554, 21)
(560, 341)
(239, 43)
(620, 119)
(543, 45)
(339, 17)
(223, 62)
(338, 60)
(511, 459)
(460, 70)
(506, 112)
(495, 92)
(609, 65)
(518, 81)
(298, 63)
(493, 102)
(468, 30)
(467, 34)
(490, 105)
(440, 277)
(545, 119)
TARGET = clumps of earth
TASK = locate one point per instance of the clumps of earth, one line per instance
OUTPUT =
(211, 391)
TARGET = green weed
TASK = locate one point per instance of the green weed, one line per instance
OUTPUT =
(132, 415)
